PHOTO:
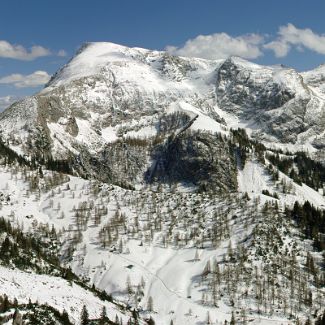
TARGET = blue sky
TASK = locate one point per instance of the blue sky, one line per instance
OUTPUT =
(39, 36)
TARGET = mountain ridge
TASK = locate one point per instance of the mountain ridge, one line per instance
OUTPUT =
(110, 80)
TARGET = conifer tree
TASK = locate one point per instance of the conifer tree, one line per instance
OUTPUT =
(150, 304)
(84, 318)
(103, 317)
(65, 318)
(17, 318)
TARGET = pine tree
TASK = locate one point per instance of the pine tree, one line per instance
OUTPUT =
(84, 318)
(208, 320)
(17, 318)
(308, 322)
(135, 316)
(65, 318)
(142, 282)
(150, 304)
(196, 256)
(5, 304)
(150, 321)
(103, 317)
(232, 321)
(129, 285)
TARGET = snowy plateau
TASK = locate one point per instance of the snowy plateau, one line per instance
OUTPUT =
(143, 188)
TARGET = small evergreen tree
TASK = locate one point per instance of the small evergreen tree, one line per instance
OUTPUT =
(232, 321)
(84, 318)
(103, 317)
(17, 318)
(65, 318)
(150, 304)
(150, 321)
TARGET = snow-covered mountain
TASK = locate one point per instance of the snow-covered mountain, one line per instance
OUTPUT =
(107, 92)
(175, 185)
(316, 78)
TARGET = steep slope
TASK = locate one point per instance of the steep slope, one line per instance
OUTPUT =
(316, 78)
(273, 101)
(108, 92)
(55, 292)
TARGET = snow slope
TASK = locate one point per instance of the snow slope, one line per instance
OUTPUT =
(168, 273)
(55, 292)
(254, 178)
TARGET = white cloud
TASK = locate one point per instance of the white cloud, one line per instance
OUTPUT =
(38, 78)
(19, 52)
(220, 45)
(280, 48)
(6, 101)
(62, 53)
(290, 36)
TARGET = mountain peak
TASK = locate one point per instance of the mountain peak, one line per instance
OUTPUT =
(91, 58)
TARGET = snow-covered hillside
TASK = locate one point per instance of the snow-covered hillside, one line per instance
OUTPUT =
(191, 191)
(149, 245)
(55, 292)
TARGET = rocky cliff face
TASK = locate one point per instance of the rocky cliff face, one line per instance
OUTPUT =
(275, 100)
(109, 92)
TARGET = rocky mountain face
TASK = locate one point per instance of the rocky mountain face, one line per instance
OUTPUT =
(277, 101)
(109, 92)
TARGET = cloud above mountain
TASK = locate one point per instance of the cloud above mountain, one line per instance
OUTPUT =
(251, 46)
(220, 45)
(19, 52)
(36, 79)
(6, 101)
(290, 37)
